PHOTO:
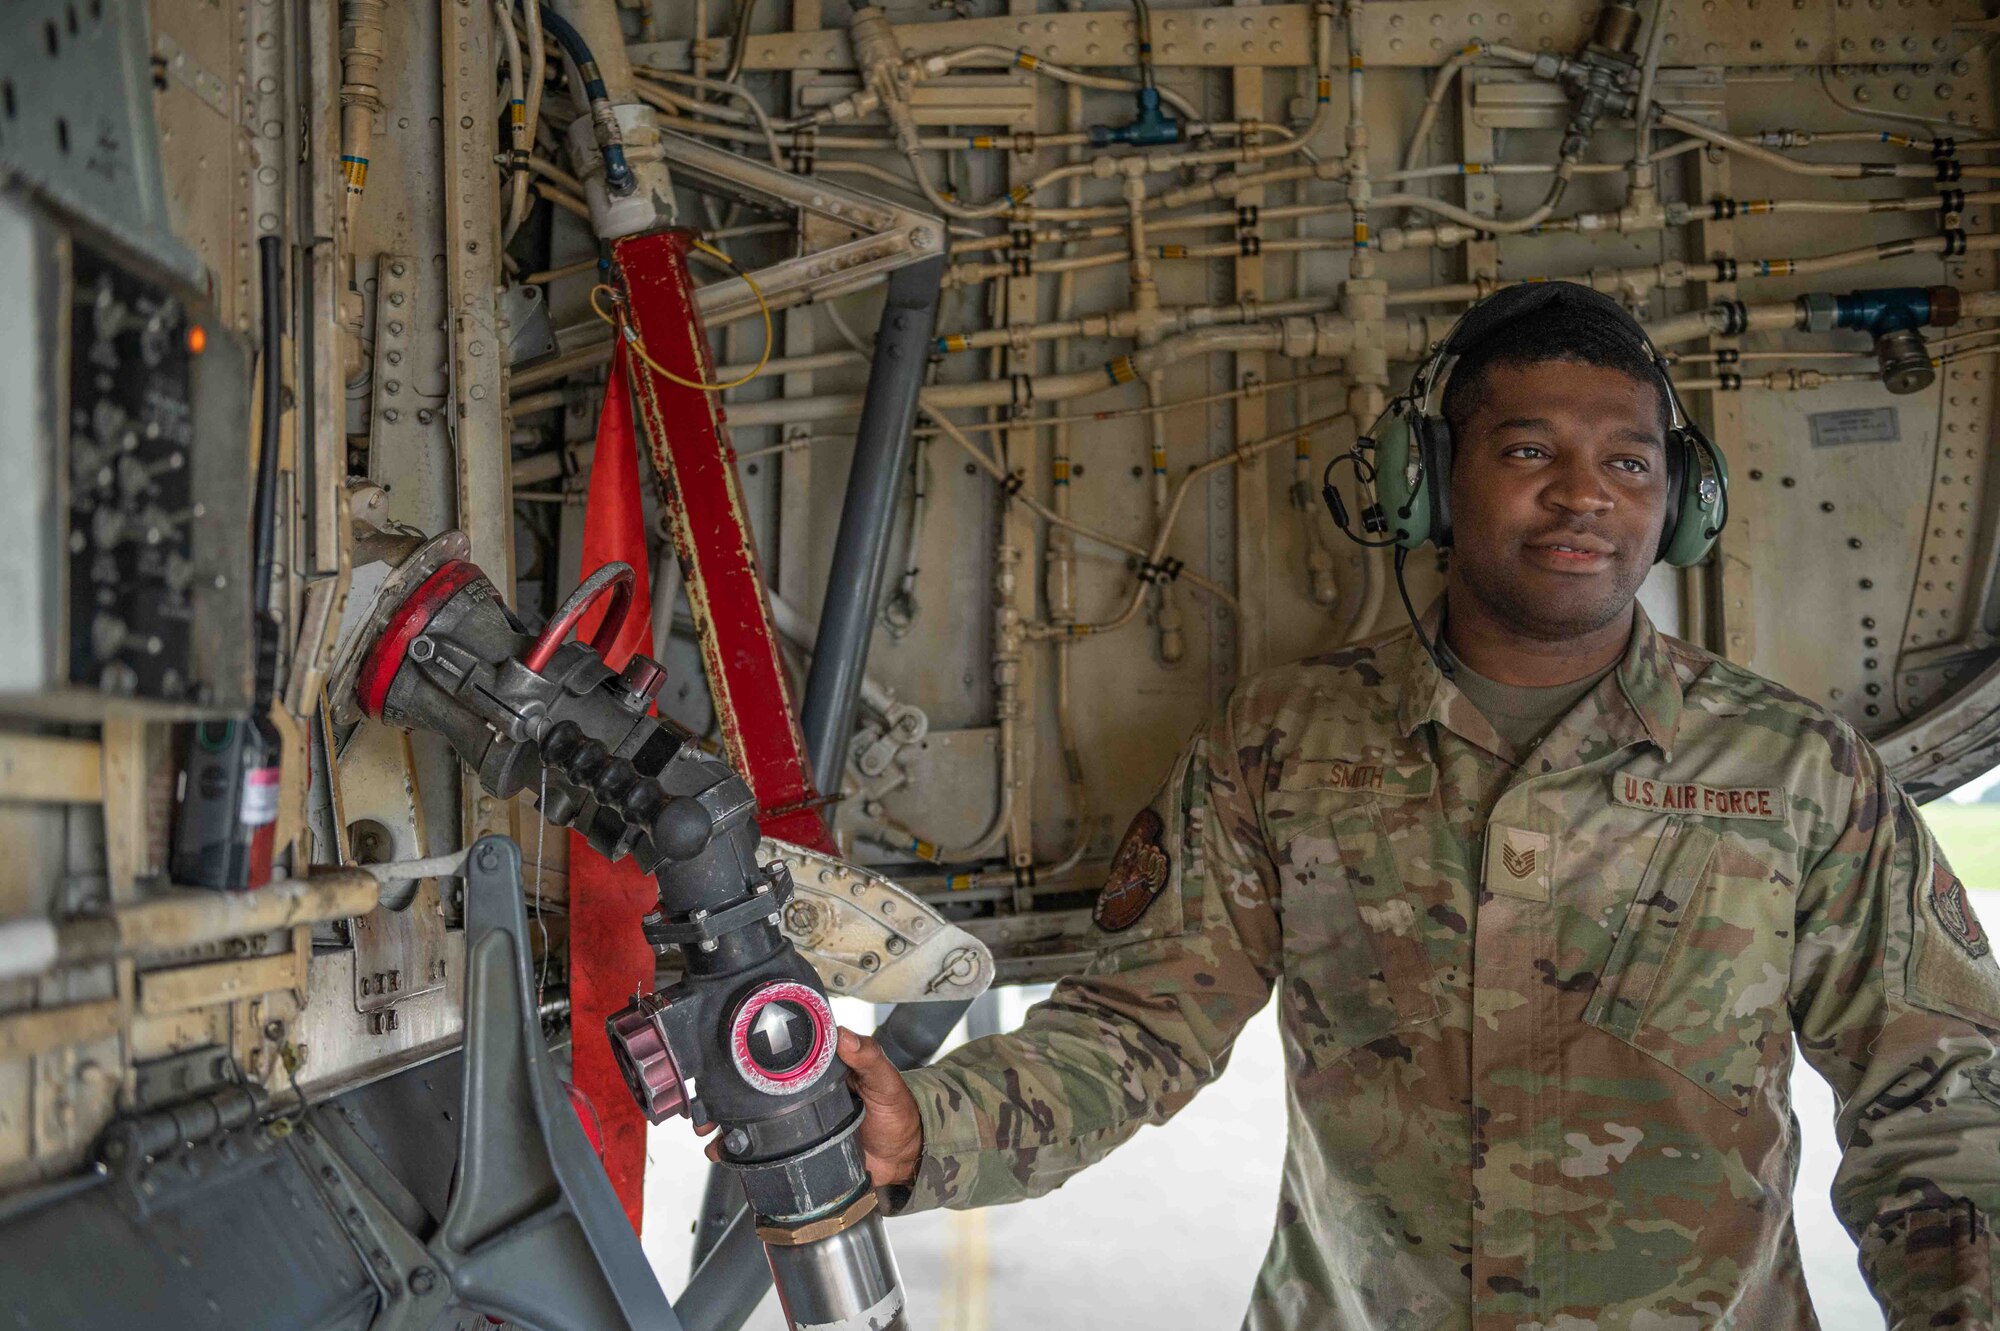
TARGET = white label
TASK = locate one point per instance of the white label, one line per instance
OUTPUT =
(260, 796)
(1857, 425)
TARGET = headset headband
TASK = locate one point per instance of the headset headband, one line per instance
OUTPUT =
(1511, 304)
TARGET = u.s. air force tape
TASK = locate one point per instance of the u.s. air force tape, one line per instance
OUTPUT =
(1692, 797)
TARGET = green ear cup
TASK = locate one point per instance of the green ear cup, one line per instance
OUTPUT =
(1400, 486)
(1704, 504)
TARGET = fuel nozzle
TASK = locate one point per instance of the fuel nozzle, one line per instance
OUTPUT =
(745, 1038)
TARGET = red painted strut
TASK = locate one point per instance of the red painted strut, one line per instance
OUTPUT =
(711, 530)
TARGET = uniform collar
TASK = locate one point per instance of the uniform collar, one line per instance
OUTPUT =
(1644, 704)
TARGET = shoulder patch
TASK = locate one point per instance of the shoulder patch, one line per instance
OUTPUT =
(1953, 911)
(1951, 968)
(1766, 803)
(1138, 873)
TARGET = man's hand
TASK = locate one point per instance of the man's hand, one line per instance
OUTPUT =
(892, 1136)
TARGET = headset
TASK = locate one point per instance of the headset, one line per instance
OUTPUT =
(1408, 451)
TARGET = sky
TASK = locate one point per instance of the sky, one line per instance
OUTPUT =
(1974, 788)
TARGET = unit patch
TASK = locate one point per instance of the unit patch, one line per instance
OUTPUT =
(1138, 872)
(1767, 803)
(1954, 911)
(1517, 862)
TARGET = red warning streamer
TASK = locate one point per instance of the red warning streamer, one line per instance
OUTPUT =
(609, 957)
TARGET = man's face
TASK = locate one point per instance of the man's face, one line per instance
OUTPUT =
(1558, 495)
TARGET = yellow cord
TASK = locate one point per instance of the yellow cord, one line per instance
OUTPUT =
(631, 334)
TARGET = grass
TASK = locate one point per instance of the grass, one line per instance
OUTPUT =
(1970, 836)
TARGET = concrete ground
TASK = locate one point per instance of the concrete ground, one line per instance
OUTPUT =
(1168, 1232)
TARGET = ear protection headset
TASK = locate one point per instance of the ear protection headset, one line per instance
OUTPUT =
(1412, 443)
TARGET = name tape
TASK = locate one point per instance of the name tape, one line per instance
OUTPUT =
(1637, 792)
(1392, 779)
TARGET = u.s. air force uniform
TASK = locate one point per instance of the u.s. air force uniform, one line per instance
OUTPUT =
(1538, 1009)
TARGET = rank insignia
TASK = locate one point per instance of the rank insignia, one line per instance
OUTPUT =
(1954, 911)
(1517, 862)
(1138, 872)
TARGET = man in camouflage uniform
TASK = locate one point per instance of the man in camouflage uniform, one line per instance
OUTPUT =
(1543, 934)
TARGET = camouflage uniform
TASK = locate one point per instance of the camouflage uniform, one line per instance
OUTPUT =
(1538, 1019)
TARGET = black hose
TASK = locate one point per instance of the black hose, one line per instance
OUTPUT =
(739, 40)
(618, 177)
(264, 527)
(1145, 42)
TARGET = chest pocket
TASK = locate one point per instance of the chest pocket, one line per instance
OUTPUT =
(1355, 963)
(1698, 974)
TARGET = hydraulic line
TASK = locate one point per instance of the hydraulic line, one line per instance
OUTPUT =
(264, 528)
(1497, 226)
(361, 46)
(739, 40)
(517, 121)
(538, 68)
(1828, 170)
(1643, 175)
(1150, 164)
(618, 177)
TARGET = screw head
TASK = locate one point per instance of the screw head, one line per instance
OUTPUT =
(422, 1281)
(736, 1141)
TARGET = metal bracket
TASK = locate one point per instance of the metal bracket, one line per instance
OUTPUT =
(872, 940)
(398, 950)
(413, 1293)
(888, 236)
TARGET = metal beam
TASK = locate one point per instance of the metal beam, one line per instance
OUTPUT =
(861, 548)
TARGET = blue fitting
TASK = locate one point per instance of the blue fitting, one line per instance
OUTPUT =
(618, 177)
(1883, 309)
(1153, 126)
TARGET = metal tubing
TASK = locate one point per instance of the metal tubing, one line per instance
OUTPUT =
(33, 945)
(860, 552)
(846, 1282)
